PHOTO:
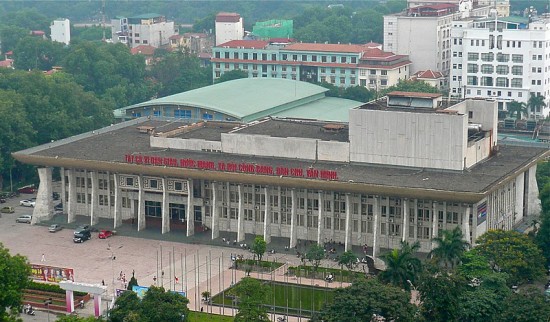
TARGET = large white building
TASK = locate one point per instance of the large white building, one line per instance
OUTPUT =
(502, 6)
(506, 59)
(148, 29)
(229, 26)
(424, 34)
(60, 31)
(404, 168)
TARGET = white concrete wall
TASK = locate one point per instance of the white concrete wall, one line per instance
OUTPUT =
(262, 145)
(185, 144)
(156, 35)
(227, 31)
(477, 151)
(534, 207)
(61, 31)
(519, 197)
(333, 151)
(425, 140)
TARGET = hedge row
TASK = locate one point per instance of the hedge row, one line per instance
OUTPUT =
(53, 288)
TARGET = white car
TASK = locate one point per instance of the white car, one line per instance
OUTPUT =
(27, 203)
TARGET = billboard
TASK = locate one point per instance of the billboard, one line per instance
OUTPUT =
(141, 290)
(481, 213)
(51, 273)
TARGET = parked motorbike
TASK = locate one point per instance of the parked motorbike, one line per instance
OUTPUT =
(28, 309)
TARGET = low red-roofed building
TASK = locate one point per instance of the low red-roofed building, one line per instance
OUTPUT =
(8, 63)
(432, 77)
(145, 50)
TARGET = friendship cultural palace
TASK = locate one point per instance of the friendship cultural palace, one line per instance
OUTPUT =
(403, 168)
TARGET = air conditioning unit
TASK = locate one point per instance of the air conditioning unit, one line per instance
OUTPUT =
(309, 212)
(257, 189)
(419, 223)
(207, 202)
(369, 217)
(439, 225)
(257, 207)
(391, 220)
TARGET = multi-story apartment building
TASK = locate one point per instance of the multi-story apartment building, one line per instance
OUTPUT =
(147, 29)
(229, 26)
(507, 59)
(338, 64)
(502, 6)
(424, 33)
(61, 31)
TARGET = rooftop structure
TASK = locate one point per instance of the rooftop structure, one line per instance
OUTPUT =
(147, 29)
(229, 26)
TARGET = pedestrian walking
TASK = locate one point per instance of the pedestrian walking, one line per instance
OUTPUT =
(176, 279)
(103, 282)
(43, 258)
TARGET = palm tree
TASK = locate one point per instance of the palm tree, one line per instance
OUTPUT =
(401, 266)
(450, 247)
(517, 108)
(536, 103)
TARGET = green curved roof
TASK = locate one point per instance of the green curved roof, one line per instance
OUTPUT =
(245, 99)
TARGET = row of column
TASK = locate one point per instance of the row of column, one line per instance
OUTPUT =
(117, 216)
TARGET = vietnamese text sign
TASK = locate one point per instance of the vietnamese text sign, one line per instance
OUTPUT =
(252, 168)
(51, 274)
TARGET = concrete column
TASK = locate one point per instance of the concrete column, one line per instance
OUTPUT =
(109, 194)
(117, 217)
(215, 225)
(347, 243)
(165, 207)
(141, 205)
(63, 189)
(405, 219)
(43, 208)
(435, 220)
(415, 216)
(190, 209)
(70, 206)
(240, 215)
(86, 190)
(375, 229)
(293, 219)
(320, 219)
(69, 301)
(267, 217)
(94, 213)
(466, 224)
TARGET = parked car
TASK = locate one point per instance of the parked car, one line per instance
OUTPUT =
(55, 196)
(82, 236)
(2, 200)
(58, 207)
(7, 210)
(27, 203)
(82, 228)
(24, 219)
(103, 234)
(54, 228)
(27, 189)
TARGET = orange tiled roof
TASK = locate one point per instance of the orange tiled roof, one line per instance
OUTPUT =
(428, 74)
(144, 50)
(257, 44)
(345, 48)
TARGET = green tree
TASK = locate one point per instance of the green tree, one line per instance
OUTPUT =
(258, 247)
(348, 259)
(156, 305)
(512, 253)
(411, 86)
(315, 254)
(402, 266)
(449, 247)
(74, 318)
(14, 276)
(526, 306)
(10, 36)
(516, 108)
(231, 75)
(133, 281)
(251, 294)
(37, 53)
(536, 103)
(364, 298)
(440, 295)
(474, 265)
(358, 93)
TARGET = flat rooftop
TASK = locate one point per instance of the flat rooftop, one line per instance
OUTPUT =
(382, 105)
(295, 128)
(107, 147)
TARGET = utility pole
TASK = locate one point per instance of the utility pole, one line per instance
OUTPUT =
(103, 19)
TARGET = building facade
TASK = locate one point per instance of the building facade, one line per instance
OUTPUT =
(424, 34)
(229, 26)
(342, 65)
(299, 179)
(148, 29)
(506, 59)
(60, 31)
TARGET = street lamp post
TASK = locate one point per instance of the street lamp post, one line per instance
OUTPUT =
(47, 304)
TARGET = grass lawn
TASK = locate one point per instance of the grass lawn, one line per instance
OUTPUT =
(257, 266)
(205, 317)
(300, 299)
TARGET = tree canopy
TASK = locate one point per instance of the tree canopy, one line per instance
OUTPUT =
(402, 267)
(411, 86)
(512, 253)
(251, 294)
(315, 254)
(14, 276)
(359, 301)
(258, 247)
(449, 247)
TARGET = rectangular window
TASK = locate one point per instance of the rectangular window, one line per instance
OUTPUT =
(182, 114)
(473, 56)
(487, 56)
(487, 69)
(517, 58)
(517, 70)
(503, 69)
(517, 83)
(473, 68)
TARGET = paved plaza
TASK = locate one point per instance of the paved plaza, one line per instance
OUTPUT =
(155, 258)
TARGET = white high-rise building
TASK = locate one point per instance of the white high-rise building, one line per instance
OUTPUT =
(424, 33)
(507, 59)
(229, 26)
(60, 30)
